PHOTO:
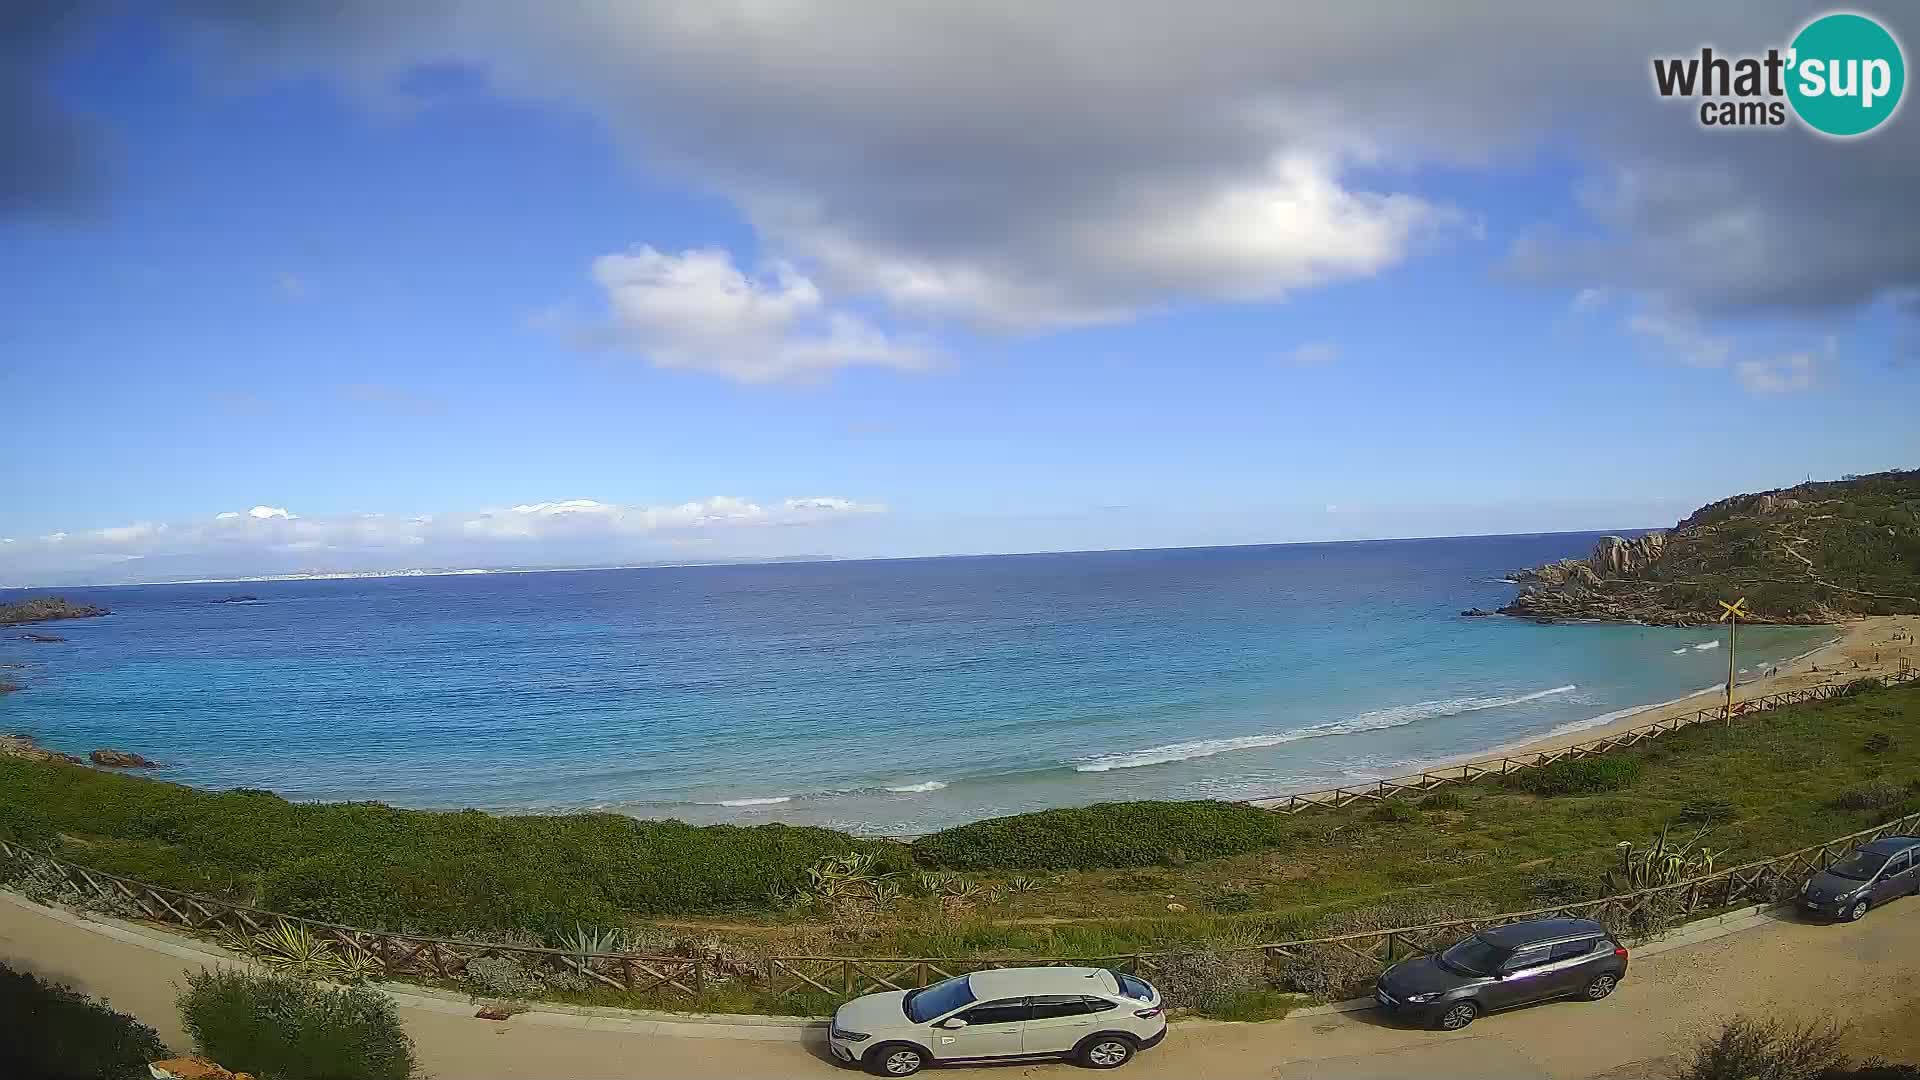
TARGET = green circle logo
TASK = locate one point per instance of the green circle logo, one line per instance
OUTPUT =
(1846, 74)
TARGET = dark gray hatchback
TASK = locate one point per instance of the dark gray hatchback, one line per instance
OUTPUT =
(1517, 964)
(1873, 874)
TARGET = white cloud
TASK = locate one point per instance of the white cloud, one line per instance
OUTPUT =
(226, 515)
(1313, 354)
(1588, 299)
(567, 531)
(1681, 337)
(697, 311)
(1784, 374)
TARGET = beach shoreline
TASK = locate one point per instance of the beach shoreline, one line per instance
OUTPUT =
(1864, 648)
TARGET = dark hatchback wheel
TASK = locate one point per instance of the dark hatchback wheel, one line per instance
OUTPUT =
(1601, 986)
(895, 1059)
(1458, 1015)
(1858, 911)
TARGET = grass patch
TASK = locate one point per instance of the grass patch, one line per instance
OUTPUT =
(1250, 1006)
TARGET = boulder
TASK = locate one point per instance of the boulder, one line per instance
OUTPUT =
(1475, 613)
(121, 759)
(45, 639)
(20, 746)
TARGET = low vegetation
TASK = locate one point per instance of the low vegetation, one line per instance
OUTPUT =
(1749, 1048)
(1161, 875)
(282, 1027)
(55, 1033)
(46, 609)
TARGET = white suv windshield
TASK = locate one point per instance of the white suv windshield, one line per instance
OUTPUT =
(938, 1000)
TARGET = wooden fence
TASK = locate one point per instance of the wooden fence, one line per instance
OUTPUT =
(1418, 784)
(1328, 965)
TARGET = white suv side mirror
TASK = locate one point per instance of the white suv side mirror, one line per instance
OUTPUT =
(953, 1023)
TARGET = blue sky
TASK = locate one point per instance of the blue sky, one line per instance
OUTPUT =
(436, 272)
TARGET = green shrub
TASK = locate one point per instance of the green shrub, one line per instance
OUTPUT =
(53, 1032)
(1117, 835)
(371, 865)
(1578, 776)
(283, 1028)
(1206, 978)
(1866, 685)
(1445, 799)
(1397, 812)
(1878, 743)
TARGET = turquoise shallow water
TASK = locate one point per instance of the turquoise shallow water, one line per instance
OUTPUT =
(890, 696)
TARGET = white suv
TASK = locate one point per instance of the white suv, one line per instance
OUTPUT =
(1097, 1017)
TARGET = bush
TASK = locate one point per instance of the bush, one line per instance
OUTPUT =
(1445, 799)
(1872, 795)
(1878, 743)
(283, 1028)
(1208, 978)
(1117, 835)
(1865, 685)
(56, 1033)
(1579, 776)
(1751, 1049)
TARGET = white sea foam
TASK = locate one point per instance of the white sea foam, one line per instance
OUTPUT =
(776, 800)
(925, 785)
(1398, 716)
(1705, 645)
(1601, 721)
(1681, 651)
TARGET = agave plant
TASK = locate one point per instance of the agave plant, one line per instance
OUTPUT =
(358, 965)
(838, 875)
(1025, 884)
(583, 941)
(292, 945)
(1662, 863)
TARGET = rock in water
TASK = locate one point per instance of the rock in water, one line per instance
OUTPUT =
(20, 746)
(121, 759)
(46, 609)
(45, 639)
(1475, 613)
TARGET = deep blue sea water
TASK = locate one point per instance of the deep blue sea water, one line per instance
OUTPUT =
(888, 696)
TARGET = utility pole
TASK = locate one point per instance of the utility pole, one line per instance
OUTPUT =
(1731, 615)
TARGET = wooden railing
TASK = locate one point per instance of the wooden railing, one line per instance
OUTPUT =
(1415, 785)
(1334, 964)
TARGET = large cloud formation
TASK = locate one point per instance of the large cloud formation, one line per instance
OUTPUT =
(1021, 165)
(275, 540)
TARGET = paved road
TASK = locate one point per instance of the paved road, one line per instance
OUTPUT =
(1870, 971)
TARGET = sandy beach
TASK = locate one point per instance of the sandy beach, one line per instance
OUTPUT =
(1873, 646)
(1866, 647)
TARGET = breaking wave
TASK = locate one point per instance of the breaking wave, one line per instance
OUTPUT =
(1397, 716)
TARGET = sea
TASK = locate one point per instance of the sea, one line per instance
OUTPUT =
(882, 697)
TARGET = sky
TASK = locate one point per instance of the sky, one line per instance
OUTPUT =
(296, 287)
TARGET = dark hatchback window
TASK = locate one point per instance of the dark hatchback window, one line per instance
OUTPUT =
(1901, 863)
(1860, 866)
(1010, 1011)
(1474, 956)
(1567, 950)
(1530, 957)
(1048, 1008)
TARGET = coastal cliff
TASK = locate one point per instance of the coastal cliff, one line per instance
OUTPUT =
(1813, 553)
